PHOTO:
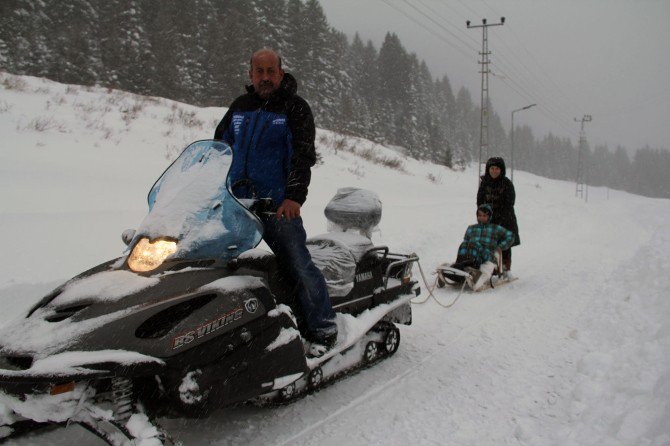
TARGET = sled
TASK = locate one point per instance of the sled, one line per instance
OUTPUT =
(448, 274)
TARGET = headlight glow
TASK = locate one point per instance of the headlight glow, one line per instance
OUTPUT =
(148, 255)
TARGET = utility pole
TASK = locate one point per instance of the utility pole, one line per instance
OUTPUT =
(579, 181)
(511, 135)
(484, 108)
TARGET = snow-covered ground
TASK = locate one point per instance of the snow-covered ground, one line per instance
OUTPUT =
(576, 352)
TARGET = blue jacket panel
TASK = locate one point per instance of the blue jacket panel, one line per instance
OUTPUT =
(261, 142)
(273, 143)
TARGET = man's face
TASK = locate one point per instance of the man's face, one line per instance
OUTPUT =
(482, 217)
(265, 74)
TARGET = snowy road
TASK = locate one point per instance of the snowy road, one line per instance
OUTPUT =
(569, 354)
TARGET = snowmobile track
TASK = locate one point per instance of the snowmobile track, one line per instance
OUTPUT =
(308, 390)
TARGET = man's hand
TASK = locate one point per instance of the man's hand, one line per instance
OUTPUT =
(288, 209)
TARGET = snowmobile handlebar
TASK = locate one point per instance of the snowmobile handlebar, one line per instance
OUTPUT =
(374, 250)
(261, 206)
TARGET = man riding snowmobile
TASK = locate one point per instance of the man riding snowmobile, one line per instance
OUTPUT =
(271, 131)
(192, 317)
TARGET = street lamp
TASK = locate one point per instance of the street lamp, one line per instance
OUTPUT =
(511, 133)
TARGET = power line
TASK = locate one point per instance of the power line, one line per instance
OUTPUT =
(658, 96)
(519, 89)
(439, 36)
(501, 59)
(545, 109)
(441, 26)
(540, 94)
(456, 27)
(469, 8)
(552, 112)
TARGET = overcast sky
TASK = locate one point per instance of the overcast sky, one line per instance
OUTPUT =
(606, 58)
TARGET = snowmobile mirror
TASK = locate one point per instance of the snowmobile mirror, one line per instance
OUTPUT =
(127, 236)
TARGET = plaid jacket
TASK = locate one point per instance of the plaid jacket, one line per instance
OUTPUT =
(481, 240)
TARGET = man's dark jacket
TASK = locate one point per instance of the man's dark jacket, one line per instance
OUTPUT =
(499, 193)
(272, 141)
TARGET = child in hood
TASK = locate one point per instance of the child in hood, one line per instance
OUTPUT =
(479, 244)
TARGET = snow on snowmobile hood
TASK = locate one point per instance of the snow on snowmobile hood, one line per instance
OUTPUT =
(41, 338)
(192, 204)
(103, 286)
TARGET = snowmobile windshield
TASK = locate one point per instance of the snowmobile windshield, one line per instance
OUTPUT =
(191, 204)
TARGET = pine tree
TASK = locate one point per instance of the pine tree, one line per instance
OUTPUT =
(126, 52)
(622, 169)
(71, 58)
(320, 85)
(394, 86)
(446, 116)
(365, 82)
(297, 48)
(162, 33)
(271, 23)
(23, 23)
(524, 143)
(466, 147)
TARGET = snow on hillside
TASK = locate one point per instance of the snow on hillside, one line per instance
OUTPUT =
(576, 352)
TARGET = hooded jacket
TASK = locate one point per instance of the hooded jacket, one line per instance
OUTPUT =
(499, 193)
(272, 141)
(481, 240)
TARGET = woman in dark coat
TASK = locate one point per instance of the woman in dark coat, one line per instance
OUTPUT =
(498, 191)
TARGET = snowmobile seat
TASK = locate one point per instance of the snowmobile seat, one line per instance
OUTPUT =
(257, 259)
(336, 254)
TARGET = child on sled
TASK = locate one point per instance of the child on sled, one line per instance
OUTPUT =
(476, 254)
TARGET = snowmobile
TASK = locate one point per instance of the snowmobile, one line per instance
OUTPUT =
(193, 316)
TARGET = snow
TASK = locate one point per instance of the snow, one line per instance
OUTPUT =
(286, 335)
(103, 286)
(283, 309)
(350, 328)
(189, 390)
(354, 208)
(233, 283)
(69, 363)
(575, 352)
(42, 338)
(143, 431)
(42, 408)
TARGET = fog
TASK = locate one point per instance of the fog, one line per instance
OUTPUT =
(608, 59)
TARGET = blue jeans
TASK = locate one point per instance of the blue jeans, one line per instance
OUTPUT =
(287, 239)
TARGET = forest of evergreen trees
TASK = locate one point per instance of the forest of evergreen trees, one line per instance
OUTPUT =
(197, 51)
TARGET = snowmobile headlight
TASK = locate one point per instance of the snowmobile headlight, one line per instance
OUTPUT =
(148, 255)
